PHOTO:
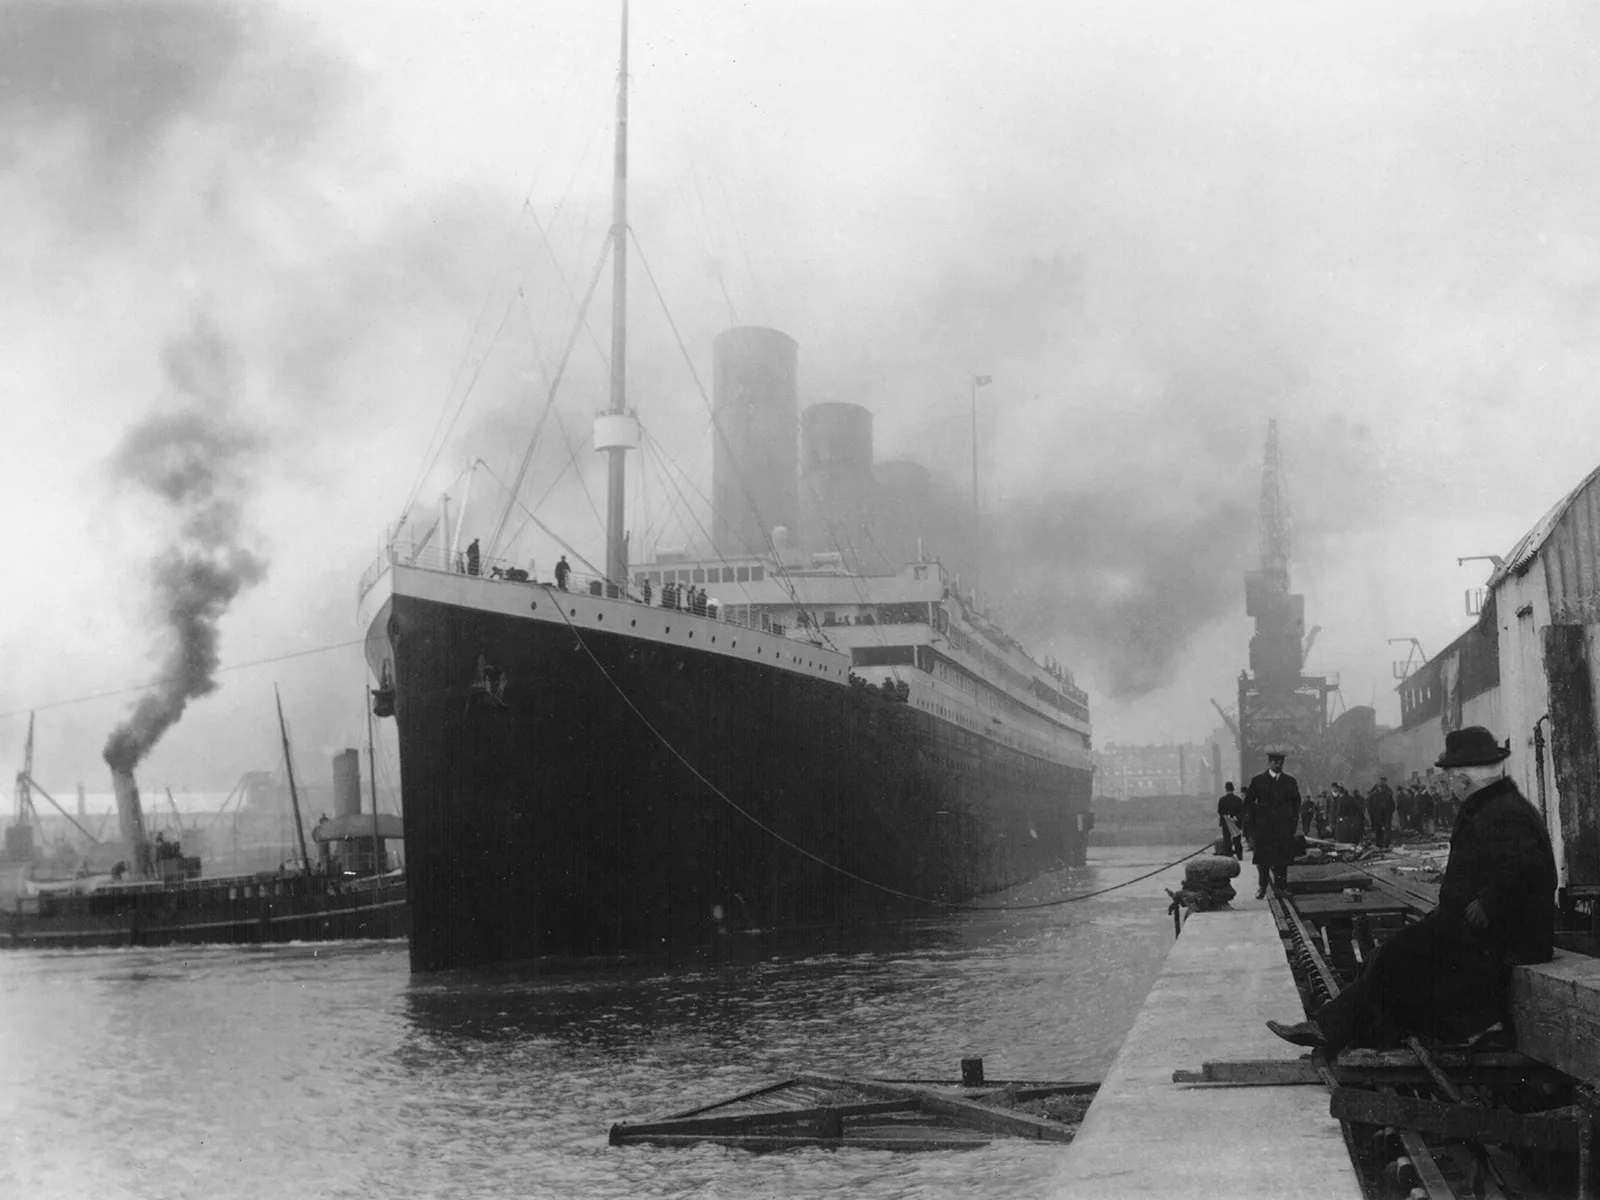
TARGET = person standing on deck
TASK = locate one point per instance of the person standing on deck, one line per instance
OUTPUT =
(1447, 976)
(1271, 808)
(474, 562)
(1230, 805)
(563, 569)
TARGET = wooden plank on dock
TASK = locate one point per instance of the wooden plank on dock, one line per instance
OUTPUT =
(1553, 1130)
(1351, 904)
(1373, 1068)
(1326, 877)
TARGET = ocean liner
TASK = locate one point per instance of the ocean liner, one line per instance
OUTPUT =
(804, 724)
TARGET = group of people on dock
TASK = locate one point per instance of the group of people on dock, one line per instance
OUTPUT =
(1348, 815)
(1338, 813)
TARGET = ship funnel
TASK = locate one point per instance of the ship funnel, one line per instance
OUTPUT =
(904, 497)
(755, 481)
(836, 500)
(347, 783)
(130, 821)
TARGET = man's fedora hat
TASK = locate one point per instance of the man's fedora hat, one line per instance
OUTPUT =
(1473, 746)
(1277, 753)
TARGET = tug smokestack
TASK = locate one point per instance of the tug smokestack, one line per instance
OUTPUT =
(130, 821)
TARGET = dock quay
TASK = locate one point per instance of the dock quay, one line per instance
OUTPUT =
(1146, 1136)
(1234, 1108)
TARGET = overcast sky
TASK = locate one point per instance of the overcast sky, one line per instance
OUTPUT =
(317, 227)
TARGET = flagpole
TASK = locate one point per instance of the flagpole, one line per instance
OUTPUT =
(977, 381)
(974, 460)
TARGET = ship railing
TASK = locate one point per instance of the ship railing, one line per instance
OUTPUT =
(428, 557)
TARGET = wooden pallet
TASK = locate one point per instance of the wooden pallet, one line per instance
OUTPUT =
(809, 1109)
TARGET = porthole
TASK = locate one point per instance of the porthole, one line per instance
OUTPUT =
(574, 612)
(599, 616)
(633, 623)
(735, 643)
(534, 607)
(713, 639)
(691, 635)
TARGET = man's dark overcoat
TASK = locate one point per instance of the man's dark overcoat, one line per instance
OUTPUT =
(1380, 806)
(1271, 812)
(1441, 976)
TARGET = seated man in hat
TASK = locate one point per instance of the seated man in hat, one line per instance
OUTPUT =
(1271, 813)
(1446, 976)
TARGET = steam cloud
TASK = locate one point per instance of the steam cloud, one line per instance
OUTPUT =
(193, 461)
(1131, 590)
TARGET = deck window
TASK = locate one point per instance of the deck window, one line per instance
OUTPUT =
(743, 575)
(727, 575)
(883, 656)
(699, 575)
(757, 573)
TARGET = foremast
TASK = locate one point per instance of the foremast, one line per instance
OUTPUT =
(616, 430)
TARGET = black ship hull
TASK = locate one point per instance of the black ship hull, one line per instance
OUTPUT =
(242, 909)
(579, 799)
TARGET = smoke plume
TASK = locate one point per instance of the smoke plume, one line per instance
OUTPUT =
(194, 461)
(1129, 589)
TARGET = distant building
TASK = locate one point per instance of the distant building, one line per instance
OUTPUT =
(1126, 772)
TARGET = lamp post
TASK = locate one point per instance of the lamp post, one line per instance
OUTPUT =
(978, 381)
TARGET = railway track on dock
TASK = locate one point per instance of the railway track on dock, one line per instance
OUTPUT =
(1420, 1123)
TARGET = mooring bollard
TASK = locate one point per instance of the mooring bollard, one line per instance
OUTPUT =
(972, 1072)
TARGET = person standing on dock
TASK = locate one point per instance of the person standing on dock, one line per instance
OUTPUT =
(1271, 810)
(1380, 811)
(1349, 818)
(1447, 976)
(1230, 805)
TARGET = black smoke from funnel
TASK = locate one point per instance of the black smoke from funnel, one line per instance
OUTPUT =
(194, 461)
(1127, 590)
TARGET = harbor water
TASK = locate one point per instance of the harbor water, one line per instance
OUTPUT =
(234, 1073)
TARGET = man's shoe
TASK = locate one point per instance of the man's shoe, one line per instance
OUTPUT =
(1305, 1033)
(1261, 893)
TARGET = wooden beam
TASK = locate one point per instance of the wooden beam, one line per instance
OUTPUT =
(1428, 1174)
(737, 1123)
(1373, 1068)
(1555, 1010)
(1556, 1129)
(766, 1142)
(979, 1116)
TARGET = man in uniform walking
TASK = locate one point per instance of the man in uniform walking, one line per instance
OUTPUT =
(1271, 811)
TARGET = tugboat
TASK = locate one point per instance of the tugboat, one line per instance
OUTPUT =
(155, 895)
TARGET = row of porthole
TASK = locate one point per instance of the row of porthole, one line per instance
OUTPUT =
(634, 622)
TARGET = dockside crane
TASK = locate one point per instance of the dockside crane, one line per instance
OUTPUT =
(1233, 726)
(25, 818)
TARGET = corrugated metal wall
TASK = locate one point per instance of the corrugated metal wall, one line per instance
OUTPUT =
(1572, 561)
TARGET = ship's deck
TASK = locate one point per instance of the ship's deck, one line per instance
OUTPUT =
(1146, 1136)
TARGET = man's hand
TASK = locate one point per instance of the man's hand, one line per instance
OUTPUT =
(1475, 915)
